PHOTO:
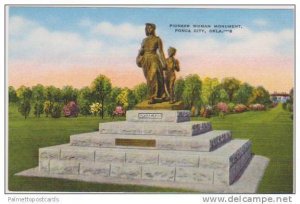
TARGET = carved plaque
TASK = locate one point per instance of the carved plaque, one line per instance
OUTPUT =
(135, 142)
(150, 115)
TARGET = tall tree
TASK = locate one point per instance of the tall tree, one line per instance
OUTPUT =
(126, 98)
(101, 87)
(53, 94)
(192, 91)
(210, 91)
(12, 94)
(85, 99)
(178, 89)
(68, 93)
(260, 95)
(112, 101)
(141, 92)
(231, 85)
(38, 92)
(243, 94)
(24, 93)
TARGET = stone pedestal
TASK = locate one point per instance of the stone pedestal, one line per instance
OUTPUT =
(159, 106)
(152, 147)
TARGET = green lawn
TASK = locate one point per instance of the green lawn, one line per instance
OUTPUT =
(271, 133)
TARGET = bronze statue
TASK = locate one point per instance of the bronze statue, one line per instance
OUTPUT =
(170, 76)
(153, 63)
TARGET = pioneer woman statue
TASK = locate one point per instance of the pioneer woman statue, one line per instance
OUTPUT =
(152, 60)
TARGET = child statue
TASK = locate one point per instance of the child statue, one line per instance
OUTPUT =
(169, 73)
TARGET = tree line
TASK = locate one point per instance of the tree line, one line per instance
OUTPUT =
(194, 92)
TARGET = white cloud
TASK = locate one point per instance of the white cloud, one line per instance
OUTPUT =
(260, 22)
(242, 43)
(102, 44)
(30, 41)
(125, 30)
(19, 25)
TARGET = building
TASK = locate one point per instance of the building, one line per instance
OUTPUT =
(280, 97)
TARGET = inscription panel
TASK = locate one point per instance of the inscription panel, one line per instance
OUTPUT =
(135, 142)
(150, 115)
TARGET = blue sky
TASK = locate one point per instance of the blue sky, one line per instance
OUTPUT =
(108, 39)
(67, 18)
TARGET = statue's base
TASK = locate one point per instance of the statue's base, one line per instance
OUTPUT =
(144, 105)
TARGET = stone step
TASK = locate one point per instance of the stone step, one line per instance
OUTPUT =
(155, 128)
(201, 143)
(220, 167)
(174, 116)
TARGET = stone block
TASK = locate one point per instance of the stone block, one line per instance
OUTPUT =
(97, 169)
(160, 173)
(221, 177)
(125, 171)
(180, 160)
(91, 140)
(141, 158)
(77, 154)
(49, 153)
(194, 175)
(214, 162)
(64, 167)
(110, 156)
(158, 116)
(44, 165)
(155, 128)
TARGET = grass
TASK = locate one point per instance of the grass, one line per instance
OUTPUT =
(271, 133)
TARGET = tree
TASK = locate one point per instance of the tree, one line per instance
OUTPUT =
(12, 95)
(56, 110)
(101, 87)
(52, 94)
(210, 91)
(141, 92)
(260, 95)
(38, 93)
(24, 108)
(126, 98)
(112, 101)
(38, 109)
(230, 85)
(223, 96)
(48, 107)
(24, 93)
(85, 99)
(192, 91)
(178, 89)
(243, 94)
(68, 93)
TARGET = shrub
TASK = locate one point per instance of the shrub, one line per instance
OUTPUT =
(206, 111)
(221, 114)
(24, 108)
(95, 108)
(71, 109)
(257, 107)
(56, 110)
(194, 111)
(222, 107)
(239, 108)
(38, 109)
(231, 107)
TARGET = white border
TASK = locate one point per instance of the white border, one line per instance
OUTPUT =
(138, 198)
